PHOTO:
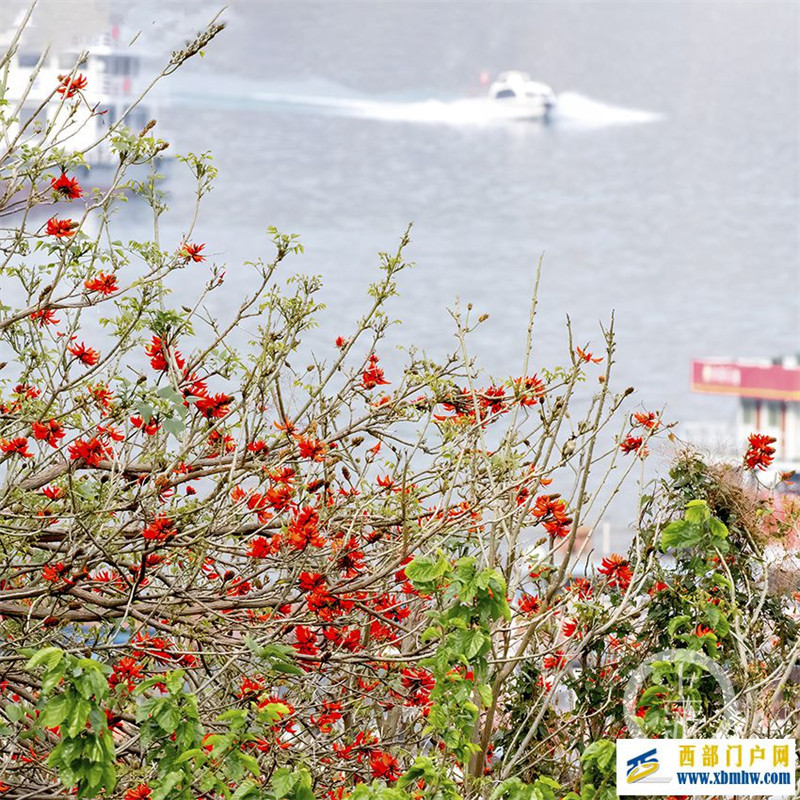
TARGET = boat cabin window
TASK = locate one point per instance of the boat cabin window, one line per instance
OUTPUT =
(67, 61)
(503, 93)
(120, 65)
(29, 59)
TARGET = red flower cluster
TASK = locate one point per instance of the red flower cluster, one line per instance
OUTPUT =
(69, 85)
(45, 317)
(191, 252)
(373, 375)
(49, 432)
(529, 390)
(760, 452)
(92, 452)
(60, 228)
(102, 283)
(587, 357)
(633, 444)
(618, 571)
(66, 187)
(214, 406)
(647, 419)
(158, 350)
(125, 673)
(303, 529)
(384, 765)
(15, 447)
(418, 684)
(551, 511)
(86, 355)
(160, 529)
(529, 603)
(312, 449)
(140, 792)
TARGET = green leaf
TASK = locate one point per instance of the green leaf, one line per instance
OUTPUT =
(49, 656)
(55, 711)
(681, 533)
(426, 570)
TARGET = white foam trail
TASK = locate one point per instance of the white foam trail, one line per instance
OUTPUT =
(574, 110)
(577, 109)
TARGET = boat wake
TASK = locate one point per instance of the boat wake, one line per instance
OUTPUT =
(320, 97)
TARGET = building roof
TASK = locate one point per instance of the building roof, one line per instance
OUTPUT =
(761, 380)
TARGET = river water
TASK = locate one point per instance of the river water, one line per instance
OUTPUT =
(665, 190)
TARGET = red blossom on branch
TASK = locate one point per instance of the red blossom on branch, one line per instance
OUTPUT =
(66, 187)
(15, 447)
(61, 228)
(86, 355)
(92, 452)
(617, 569)
(50, 432)
(760, 452)
(373, 375)
(102, 283)
(69, 85)
(191, 252)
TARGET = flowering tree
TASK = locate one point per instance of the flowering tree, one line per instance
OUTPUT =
(226, 576)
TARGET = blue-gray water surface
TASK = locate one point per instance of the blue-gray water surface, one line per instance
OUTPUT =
(666, 189)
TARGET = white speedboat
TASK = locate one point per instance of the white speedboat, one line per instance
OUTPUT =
(522, 98)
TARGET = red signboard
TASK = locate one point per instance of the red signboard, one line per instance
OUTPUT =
(764, 382)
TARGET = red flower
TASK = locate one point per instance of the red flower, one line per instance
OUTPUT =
(92, 452)
(141, 792)
(215, 406)
(555, 661)
(418, 684)
(760, 452)
(102, 283)
(618, 571)
(70, 85)
(633, 444)
(312, 449)
(192, 252)
(150, 428)
(160, 529)
(279, 497)
(373, 374)
(53, 492)
(384, 765)
(15, 447)
(584, 356)
(54, 572)
(45, 317)
(648, 420)
(125, 674)
(529, 603)
(311, 581)
(60, 228)
(86, 355)
(157, 351)
(258, 446)
(306, 641)
(68, 188)
(529, 390)
(303, 529)
(261, 547)
(49, 432)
